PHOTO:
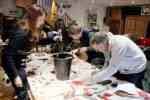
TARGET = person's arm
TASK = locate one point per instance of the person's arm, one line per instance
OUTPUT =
(51, 38)
(106, 73)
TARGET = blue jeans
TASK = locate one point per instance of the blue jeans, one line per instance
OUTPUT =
(21, 92)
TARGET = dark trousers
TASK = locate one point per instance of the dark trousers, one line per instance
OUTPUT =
(21, 92)
(133, 78)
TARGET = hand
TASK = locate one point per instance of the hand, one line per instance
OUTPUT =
(55, 35)
(35, 38)
(81, 53)
(18, 82)
(74, 51)
(83, 49)
(57, 38)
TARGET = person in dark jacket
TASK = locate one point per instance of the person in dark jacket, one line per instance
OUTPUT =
(22, 38)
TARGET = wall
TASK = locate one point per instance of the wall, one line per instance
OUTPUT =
(101, 15)
(78, 12)
(7, 7)
(24, 3)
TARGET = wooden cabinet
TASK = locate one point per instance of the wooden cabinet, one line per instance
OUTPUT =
(130, 25)
(116, 13)
(115, 22)
(115, 26)
(127, 20)
(136, 25)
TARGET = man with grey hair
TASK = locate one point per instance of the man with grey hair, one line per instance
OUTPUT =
(125, 59)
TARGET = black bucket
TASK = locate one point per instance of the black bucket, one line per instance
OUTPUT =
(62, 64)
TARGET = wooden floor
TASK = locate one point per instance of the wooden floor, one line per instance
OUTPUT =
(6, 92)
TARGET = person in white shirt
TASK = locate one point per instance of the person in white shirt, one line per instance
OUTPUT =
(125, 59)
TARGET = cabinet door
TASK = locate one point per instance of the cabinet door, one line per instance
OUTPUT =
(115, 26)
(116, 13)
(140, 27)
(130, 25)
(136, 25)
(141, 24)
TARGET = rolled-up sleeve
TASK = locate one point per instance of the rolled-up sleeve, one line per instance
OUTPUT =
(106, 73)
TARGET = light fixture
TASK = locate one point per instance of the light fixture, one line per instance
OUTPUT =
(132, 2)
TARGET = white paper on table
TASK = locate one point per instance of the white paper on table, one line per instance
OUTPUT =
(124, 98)
(81, 98)
(127, 87)
(57, 88)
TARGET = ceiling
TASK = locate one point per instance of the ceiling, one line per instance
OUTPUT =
(8, 7)
(122, 2)
(111, 2)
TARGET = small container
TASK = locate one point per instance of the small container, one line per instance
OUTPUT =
(114, 84)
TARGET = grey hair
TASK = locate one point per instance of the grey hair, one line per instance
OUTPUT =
(75, 29)
(99, 37)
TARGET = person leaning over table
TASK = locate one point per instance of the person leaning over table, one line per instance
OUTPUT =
(79, 39)
(23, 36)
(127, 61)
